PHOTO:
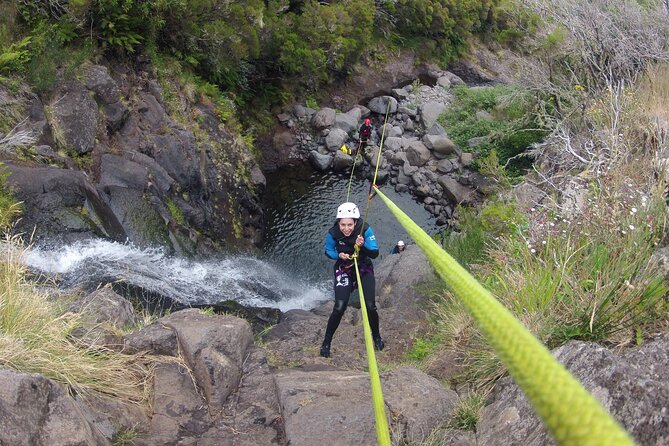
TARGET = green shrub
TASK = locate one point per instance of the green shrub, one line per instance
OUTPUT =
(15, 57)
(500, 219)
(509, 130)
(176, 212)
(467, 411)
(588, 279)
(468, 245)
(322, 39)
(423, 347)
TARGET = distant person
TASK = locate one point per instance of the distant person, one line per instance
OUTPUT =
(347, 232)
(364, 134)
(399, 247)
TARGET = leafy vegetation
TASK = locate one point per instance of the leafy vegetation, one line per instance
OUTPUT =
(260, 52)
(423, 347)
(500, 119)
(466, 413)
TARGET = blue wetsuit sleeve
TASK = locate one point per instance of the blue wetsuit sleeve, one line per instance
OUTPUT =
(331, 247)
(370, 247)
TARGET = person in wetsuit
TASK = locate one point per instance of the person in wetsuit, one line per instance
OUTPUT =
(364, 134)
(399, 247)
(340, 241)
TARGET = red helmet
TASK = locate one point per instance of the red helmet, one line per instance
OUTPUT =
(367, 121)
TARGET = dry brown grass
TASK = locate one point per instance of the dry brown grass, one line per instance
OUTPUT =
(35, 338)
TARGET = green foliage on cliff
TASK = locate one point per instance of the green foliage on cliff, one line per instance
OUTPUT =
(501, 119)
(255, 49)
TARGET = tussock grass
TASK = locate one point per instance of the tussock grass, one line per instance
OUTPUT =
(466, 413)
(566, 273)
(35, 338)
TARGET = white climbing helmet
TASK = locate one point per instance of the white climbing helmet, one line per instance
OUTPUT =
(348, 210)
(400, 243)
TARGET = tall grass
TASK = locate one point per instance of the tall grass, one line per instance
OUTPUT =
(588, 278)
(35, 338)
(588, 275)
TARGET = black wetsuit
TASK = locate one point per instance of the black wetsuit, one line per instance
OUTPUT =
(345, 280)
(364, 133)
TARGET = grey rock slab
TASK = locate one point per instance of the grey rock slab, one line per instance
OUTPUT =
(430, 111)
(37, 411)
(381, 104)
(418, 154)
(335, 407)
(214, 347)
(75, 117)
(335, 139)
(632, 386)
(323, 118)
(347, 122)
(97, 79)
(320, 161)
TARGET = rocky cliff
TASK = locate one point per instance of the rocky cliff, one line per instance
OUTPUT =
(100, 155)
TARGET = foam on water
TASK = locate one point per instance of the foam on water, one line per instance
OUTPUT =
(247, 280)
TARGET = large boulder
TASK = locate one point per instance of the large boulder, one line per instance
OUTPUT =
(121, 172)
(417, 154)
(143, 221)
(37, 411)
(178, 155)
(62, 202)
(335, 139)
(335, 408)
(347, 121)
(214, 347)
(97, 79)
(454, 191)
(74, 117)
(430, 111)
(323, 118)
(320, 161)
(440, 144)
(381, 104)
(632, 386)
(342, 161)
(392, 143)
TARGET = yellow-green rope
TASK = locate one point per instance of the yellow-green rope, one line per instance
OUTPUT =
(382, 432)
(376, 171)
(572, 415)
(350, 179)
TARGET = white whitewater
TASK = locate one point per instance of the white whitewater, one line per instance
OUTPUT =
(245, 279)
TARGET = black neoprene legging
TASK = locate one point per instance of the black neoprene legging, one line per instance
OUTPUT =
(343, 287)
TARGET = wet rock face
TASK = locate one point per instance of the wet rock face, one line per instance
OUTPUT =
(138, 175)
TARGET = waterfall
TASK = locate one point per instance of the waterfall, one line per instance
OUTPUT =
(245, 279)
